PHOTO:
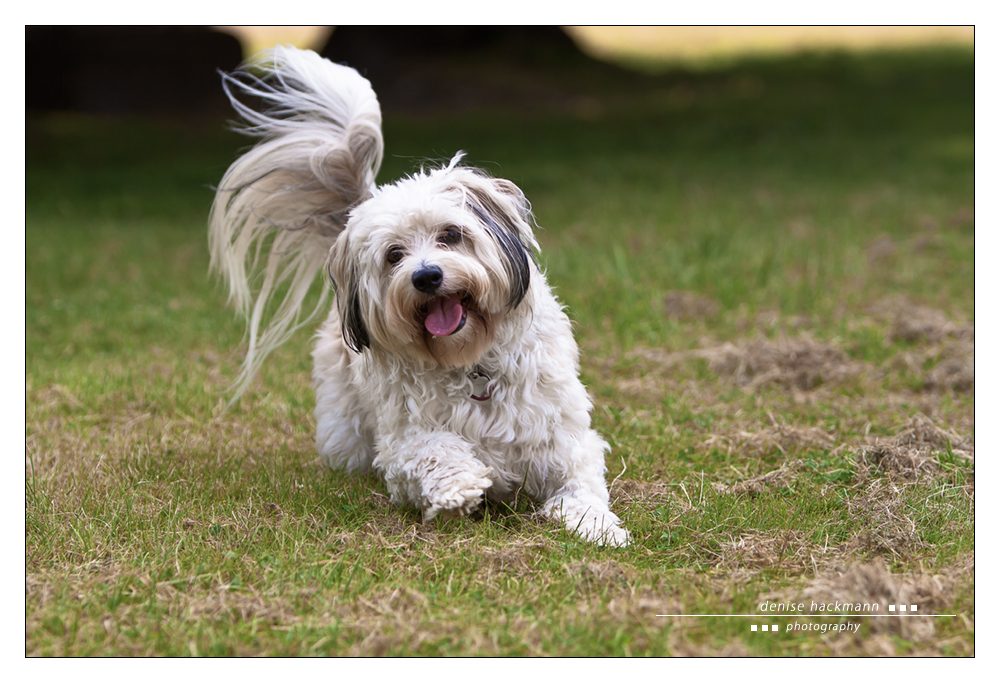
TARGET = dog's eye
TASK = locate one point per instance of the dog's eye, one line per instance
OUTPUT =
(395, 255)
(450, 236)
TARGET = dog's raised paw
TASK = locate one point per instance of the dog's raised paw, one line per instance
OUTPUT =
(456, 495)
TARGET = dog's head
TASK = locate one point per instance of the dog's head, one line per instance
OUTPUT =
(428, 267)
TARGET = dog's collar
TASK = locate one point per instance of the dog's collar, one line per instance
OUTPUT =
(482, 386)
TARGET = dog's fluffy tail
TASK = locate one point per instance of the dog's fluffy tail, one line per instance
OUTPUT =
(320, 148)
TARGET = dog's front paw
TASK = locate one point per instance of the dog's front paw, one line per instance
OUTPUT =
(456, 494)
(606, 534)
(589, 519)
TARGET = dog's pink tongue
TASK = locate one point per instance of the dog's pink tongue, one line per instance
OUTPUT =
(444, 316)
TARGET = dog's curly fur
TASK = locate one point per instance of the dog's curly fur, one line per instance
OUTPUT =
(446, 363)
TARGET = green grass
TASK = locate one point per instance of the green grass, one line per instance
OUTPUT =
(822, 201)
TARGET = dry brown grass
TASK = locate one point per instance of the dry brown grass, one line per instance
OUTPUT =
(786, 439)
(601, 573)
(782, 477)
(885, 467)
(799, 366)
(793, 363)
(956, 369)
(943, 348)
(941, 353)
(799, 363)
(910, 455)
(913, 322)
(881, 512)
(788, 550)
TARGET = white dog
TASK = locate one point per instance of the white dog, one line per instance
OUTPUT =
(446, 364)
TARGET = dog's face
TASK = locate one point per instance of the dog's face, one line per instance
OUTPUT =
(428, 267)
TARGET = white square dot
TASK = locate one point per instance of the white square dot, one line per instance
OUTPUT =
(892, 608)
(753, 627)
(902, 608)
(774, 628)
(913, 608)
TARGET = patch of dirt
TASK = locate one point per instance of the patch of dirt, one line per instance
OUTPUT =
(943, 344)
(798, 363)
(519, 560)
(881, 251)
(956, 371)
(913, 322)
(795, 363)
(940, 355)
(687, 306)
(600, 573)
(952, 366)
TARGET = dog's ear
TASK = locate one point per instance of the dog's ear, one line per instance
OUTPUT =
(343, 273)
(505, 213)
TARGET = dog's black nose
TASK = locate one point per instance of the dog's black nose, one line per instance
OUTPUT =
(428, 279)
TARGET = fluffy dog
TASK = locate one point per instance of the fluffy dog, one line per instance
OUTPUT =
(446, 363)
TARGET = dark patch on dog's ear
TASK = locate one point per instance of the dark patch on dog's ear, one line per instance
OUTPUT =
(507, 230)
(353, 323)
(346, 284)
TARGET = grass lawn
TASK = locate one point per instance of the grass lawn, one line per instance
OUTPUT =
(770, 264)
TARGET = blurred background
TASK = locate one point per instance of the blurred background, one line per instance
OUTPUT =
(120, 70)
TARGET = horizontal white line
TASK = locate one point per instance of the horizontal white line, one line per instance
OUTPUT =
(775, 616)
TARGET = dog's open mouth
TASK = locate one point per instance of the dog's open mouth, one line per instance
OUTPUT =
(446, 315)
